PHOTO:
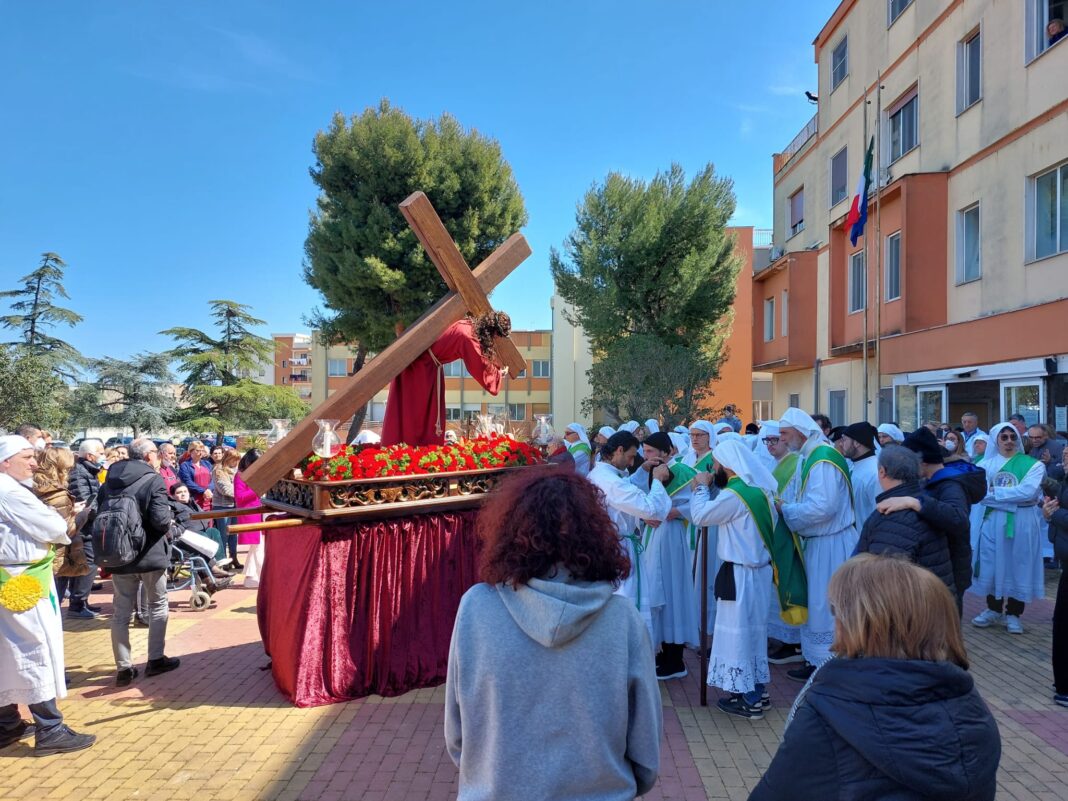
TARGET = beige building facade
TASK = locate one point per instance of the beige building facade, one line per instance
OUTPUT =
(961, 276)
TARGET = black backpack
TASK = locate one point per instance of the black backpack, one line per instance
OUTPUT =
(118, 534)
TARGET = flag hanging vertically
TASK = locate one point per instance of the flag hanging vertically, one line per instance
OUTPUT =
(858, 212)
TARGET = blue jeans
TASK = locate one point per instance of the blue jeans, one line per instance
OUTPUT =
(753, 698)
(223, 524)
(45, 714)
(79, 586)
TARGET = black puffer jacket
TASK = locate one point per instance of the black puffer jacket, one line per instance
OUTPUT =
(1058, 528)
(82, 481)
(156, 512)
(907, 533)
(896, 729)
(946, 506)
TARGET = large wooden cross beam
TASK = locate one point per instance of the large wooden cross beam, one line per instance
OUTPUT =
(469, 290)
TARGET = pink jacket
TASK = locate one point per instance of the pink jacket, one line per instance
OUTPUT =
(243, 499)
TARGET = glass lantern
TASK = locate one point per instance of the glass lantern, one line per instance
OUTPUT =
(543, 430)
(327, 442)
(279, 428)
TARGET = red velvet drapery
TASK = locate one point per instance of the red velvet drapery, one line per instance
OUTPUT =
(352, 609)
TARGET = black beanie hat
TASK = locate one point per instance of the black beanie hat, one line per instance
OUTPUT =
(864, 433)
(660, 441)
(923, 442)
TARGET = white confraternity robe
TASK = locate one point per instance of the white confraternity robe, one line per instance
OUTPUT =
(628, 504)
(1007, 567)
(822, 516)
(865, 477)
(777, 627)
(668, 565)
(739, 657)
(31, 642)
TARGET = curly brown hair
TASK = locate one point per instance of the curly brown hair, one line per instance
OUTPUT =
(545, 517)
(488, 326)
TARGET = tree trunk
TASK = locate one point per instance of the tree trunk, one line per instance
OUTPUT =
(357, 419)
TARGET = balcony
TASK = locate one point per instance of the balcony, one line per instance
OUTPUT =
(300, 361)
(791, 279)
(780, 160)
(299, 378)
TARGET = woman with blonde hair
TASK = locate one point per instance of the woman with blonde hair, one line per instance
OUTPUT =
(50, 481)
(896, 714)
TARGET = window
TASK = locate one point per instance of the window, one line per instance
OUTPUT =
(517, 411)
(893, 266)
(283, 364)
(895, 9)
(1050, 227)
(904, 126)
(540, 368)
(795, 400)
(522, 373)
(858, 282)
(769, 319)
(452, 413)
(337, 367)
(886, 404)
(797, 212)
(471, 410)
(1024, 398)
(969, 264)
(1040, 15)
(762, 410)
(839, 62)
(496, 409)
(839, 166)
(969, 72)
(785, 329)
(836, 407)
(453, 369)
(376, 411)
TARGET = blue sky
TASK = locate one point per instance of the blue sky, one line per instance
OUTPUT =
(163, 151)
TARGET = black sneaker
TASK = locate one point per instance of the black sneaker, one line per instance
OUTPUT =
(736, 705)
(21, 732)
(124, 677)
(765, 700)
(785, 654)
(96, 610)
(665, 671)
(62, 741)
(163, 665)
(802, 673)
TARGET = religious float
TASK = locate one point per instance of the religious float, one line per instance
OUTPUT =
(370, 548)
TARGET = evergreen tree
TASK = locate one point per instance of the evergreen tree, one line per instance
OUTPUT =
(217, 393)
(135, 394)
(374, 276)
(650, 272)
(30, 391)
(34, 314)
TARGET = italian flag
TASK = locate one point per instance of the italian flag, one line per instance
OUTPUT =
(858, 212)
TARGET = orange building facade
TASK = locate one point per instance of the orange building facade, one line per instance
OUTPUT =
(955, 297)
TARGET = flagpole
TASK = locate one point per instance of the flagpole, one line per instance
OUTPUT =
(878, 238)
(864, 337)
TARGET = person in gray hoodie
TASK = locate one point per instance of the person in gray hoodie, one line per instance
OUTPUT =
(551, 689)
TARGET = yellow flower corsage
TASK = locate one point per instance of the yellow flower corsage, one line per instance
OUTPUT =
(21, 593)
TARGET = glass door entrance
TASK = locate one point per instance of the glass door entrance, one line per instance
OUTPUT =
(931, 405)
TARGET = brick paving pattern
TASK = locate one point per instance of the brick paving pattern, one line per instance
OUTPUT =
(218, 729)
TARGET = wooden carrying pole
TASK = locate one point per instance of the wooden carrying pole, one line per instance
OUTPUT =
(267, 525)
(215, 514)
(379, 371)
(703, 550)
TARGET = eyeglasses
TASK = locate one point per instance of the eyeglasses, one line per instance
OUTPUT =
(698, 434)
(771, 440)
(1006, 437)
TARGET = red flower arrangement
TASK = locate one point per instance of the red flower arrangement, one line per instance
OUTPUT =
(373, 461)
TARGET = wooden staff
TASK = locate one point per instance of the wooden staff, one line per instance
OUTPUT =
(215, 514)
(267, 525)
(703, 549)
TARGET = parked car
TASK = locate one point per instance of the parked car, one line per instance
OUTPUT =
(59, 443)
(113, 441)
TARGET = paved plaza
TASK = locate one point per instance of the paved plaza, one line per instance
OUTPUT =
(218, 729)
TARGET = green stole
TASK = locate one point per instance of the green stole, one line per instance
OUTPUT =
(787, 564)
(579, 447)
(784, 470)
(1018, 466)
(703, 465)
(825, 453)
(681, 476)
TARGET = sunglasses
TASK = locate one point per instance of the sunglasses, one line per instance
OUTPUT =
(1006, 437)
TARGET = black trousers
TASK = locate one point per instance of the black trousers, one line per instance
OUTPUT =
(1060, 636)
(45, 714)
(1012, 607)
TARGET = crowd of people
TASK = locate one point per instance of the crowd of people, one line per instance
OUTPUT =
(65, 520)
(846, 551)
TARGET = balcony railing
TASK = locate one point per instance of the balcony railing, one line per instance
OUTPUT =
(299, 378)
(806, 133)
(762, 237)
(302, 361)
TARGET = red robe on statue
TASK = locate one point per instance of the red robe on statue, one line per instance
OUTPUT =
(415, 409)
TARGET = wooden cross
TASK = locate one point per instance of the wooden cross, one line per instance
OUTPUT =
(468, 293)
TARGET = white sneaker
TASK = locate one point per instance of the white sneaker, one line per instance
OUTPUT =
(1012, 623)
(988, 617)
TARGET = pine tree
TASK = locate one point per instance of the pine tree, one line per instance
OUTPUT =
(35, 314)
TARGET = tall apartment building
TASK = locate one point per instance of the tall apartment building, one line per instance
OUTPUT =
(963, 267)
(316, 371)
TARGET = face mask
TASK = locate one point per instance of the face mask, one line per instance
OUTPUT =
(40, 444)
